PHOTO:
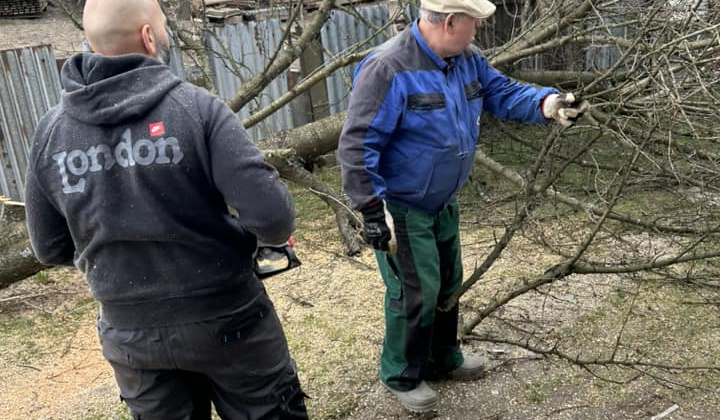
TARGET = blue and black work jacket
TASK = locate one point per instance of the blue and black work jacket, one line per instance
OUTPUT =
(414, 119)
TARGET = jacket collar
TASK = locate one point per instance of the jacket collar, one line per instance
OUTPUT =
(439, 61)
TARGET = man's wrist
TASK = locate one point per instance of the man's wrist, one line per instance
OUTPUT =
(372, 208)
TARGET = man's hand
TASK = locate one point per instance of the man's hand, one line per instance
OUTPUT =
(564, 108)
(379, 229)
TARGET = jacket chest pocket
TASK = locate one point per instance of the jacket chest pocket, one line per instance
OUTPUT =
(473, 91)
(426, 101)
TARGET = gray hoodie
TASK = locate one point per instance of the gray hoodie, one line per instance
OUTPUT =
(129, 179)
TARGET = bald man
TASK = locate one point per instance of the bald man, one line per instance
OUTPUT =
(115, 27)
(129, 179)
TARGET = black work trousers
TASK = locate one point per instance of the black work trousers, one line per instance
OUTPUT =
(240, 361)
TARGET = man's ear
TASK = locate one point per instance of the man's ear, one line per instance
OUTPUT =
(148, 40)
(449, 21)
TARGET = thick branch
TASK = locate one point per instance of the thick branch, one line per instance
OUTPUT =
(306, 144)
(305, 85)
(310, 140)
(543, 30)
(555, 77)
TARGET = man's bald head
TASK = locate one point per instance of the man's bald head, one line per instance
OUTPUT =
(115, 27)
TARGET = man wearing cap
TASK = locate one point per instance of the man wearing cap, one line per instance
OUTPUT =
(405, 151)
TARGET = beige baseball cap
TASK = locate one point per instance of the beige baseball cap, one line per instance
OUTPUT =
(473, 8)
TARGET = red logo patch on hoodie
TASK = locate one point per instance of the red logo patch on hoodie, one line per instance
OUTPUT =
(156, 129)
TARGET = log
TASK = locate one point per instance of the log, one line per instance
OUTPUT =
(308, 141)
(17, 261)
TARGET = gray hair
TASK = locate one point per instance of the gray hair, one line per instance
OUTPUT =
(433, 17)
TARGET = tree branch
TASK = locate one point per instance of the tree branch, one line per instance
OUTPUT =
(254, 86)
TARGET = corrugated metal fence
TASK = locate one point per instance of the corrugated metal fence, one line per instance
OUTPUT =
(341, 33)
(236, 54)
(29, 86)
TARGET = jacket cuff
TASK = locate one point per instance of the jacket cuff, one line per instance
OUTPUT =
(542, 108)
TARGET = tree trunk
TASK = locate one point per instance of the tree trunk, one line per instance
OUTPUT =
(16, 258)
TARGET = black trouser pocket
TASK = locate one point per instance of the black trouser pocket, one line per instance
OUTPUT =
(292, 397)
(242, 324)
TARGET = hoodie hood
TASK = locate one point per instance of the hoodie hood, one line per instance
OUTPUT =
(109, 90)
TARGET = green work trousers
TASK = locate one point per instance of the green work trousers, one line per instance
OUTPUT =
(420, 340)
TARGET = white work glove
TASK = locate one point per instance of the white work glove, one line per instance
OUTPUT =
(564, 108)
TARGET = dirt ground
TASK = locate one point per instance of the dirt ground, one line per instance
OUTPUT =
(51, 367)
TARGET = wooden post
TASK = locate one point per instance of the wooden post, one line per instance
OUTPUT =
(311, 59)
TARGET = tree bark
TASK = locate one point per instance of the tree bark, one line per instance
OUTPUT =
(16, 257)
(309, 141)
